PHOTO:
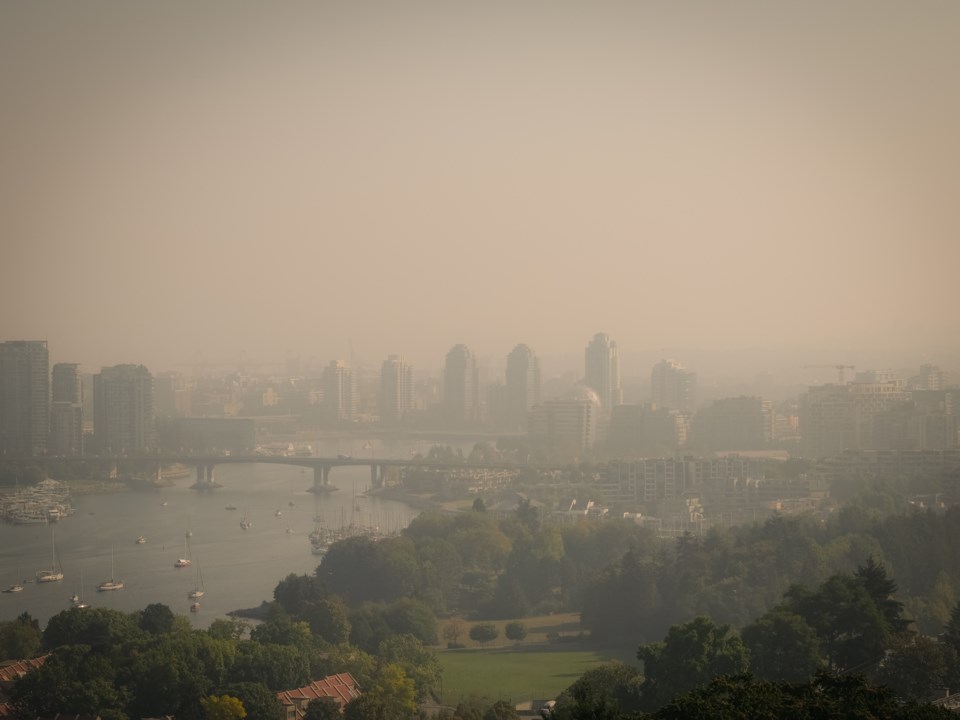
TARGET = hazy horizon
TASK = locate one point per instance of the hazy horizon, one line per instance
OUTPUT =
(722, 183)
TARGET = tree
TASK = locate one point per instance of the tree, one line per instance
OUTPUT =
(20, 638)
(222, 707)
(279, 667)
(851, 628)
(296, 592)
(691, 655)
(453, 630)
(484, 633)
(479, 505)
(412, 617)
(605, 692)
(390, 697)
(782, 647)
(97, 627)
(228, 629)
(156, 619)
(873, 576)
(328, 619)
(951, 632)
(282, 631)
(419, 663)
(916, 667)
(323, 709)
(258, 700)
(74, 680)
(515, 631)
(362, 570)
(501, 710)
(826, 696)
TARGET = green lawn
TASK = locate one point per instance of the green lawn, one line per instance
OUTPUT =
(518, 673)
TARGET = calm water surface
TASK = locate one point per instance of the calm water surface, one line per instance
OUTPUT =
(239, 568)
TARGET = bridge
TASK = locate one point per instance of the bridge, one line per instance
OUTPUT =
(205, 464)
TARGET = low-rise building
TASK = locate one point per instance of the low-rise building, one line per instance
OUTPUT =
(339, 689)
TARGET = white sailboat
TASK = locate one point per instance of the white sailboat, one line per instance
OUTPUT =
(79, 603)
(55, 573)
(112, 583)
(184, 561)
(198, 591)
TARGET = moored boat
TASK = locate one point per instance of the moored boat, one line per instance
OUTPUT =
(55, 573)
(112, 583)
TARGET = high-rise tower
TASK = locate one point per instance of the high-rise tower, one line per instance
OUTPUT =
(461, 386)
(339, 392)
(602, 363)
(522, 390)
(66, 411)
(672, 386)
(24, 396)
(123, 419)
(396, 389)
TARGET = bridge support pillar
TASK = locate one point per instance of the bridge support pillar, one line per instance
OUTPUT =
(321, 479)
(205, 480)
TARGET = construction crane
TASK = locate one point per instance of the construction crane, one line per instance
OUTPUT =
(839, 368)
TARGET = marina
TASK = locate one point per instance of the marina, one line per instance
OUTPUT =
(241, 567)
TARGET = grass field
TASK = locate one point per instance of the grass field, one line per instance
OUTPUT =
(531, 669)
(523, 673)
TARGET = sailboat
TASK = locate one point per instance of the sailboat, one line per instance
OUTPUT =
(245, 522)
(55, 573)
(79, 603)
(16, 587)
(184, 561)
(112, 583)
(197, 592)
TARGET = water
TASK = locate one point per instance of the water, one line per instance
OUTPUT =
(239, 568)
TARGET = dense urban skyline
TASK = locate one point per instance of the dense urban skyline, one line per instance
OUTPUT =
(197, 181)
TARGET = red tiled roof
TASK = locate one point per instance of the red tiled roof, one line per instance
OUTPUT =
(341, 688)
(10, 671)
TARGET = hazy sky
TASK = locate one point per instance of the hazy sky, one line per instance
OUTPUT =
(200, 179)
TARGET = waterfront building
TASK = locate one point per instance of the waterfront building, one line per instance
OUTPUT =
(339, 392)
(570, 420)
(66, 410)
(123, 420)
(602, 372)
(66, 429)
(172, 395)
(65, 384)
(461, 386)
(396, 389)
(672, 386)
(24, 397)
(522, 388)
(651, 480)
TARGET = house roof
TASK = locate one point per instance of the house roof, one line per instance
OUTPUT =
(14, 669)
(341, 688)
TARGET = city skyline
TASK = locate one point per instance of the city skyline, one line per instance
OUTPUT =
(193, 183)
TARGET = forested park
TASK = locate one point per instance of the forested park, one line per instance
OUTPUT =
(790, 617)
